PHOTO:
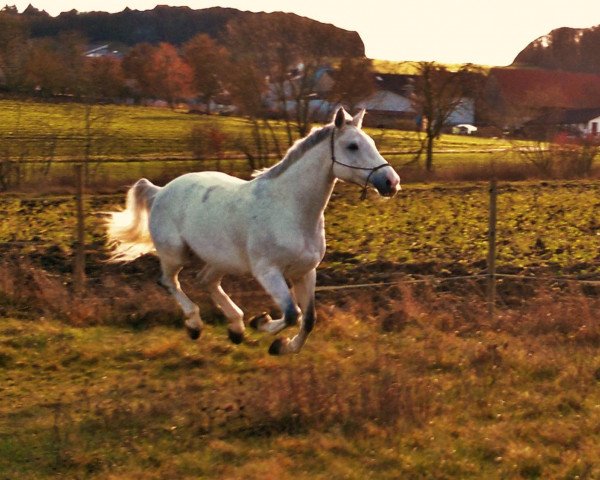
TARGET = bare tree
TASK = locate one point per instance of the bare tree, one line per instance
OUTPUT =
(288, 53)
(96, 135)
(438, 93)
(248, 85)
(353, 81)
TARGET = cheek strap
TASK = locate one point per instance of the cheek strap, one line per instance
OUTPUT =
(371, 170)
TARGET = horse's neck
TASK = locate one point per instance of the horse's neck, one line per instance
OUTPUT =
(308, 183)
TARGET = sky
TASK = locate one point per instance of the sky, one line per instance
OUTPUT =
(486, 32)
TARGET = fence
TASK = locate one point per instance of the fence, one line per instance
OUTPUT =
(489, 276)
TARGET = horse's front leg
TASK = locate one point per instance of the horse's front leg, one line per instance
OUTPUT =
(304, 290)
(273, 281)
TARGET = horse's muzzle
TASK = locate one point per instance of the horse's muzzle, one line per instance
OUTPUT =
(386, 181)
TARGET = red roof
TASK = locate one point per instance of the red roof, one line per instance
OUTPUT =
(547, 88)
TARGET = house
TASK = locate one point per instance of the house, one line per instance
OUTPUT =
(585, 121)
(282, 97)
(580, 122)
(99, 51)
(516, 96)
(390, 105)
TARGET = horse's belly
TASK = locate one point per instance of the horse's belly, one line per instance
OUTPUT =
(222, 255)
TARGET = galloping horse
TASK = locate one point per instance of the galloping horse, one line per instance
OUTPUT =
(271, 226)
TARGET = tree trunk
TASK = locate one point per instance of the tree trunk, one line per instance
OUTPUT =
(429, 153)
(207, 100)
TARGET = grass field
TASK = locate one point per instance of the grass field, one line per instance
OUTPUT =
(398, 384)
(395, 382)
(38, 131)
(427, 229)
(404, 381)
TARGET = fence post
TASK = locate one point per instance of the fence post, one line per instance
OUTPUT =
(491, 259)
(79, 257)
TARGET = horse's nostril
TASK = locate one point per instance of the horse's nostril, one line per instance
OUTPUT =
(388, 182)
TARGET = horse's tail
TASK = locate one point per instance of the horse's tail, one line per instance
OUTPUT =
(127, 230)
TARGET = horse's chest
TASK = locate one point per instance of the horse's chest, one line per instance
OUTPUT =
(303, 253)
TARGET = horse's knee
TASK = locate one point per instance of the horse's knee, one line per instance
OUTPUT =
(291, 315)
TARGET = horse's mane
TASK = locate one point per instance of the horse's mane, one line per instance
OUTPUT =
(295, 152)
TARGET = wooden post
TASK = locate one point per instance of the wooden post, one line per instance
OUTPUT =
(79, 253)
(491, 259)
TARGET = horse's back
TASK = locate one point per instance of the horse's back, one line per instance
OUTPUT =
(200, 180)
(197, 210)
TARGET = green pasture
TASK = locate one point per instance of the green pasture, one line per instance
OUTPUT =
(393, 383)
(136, 132)
(124, 143)
(433, 229)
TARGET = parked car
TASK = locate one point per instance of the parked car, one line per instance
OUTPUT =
(464, 129)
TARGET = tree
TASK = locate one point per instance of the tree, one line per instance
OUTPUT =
(44, 69)
(209, 63)
(13, 48)
(158, 71)
(248, 85)
(136, 69)
(438, 93)
(288, 52)
(103, 78)
(169, 76)
(353, 81)
(71, 48)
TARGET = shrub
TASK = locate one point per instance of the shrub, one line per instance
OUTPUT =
(207, 142)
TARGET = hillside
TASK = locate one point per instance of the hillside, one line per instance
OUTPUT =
(571, 49)
(163, 24)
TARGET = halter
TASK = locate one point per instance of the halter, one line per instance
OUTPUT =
(372, 170)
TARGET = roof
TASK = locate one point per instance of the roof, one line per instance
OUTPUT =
(547, 88)
(582, 115)
(396, 83)
(562, 116)
(386, 101)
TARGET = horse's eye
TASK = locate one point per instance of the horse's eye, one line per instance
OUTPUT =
(353, 146)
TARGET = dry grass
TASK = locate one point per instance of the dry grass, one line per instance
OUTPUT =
(406, 382)
(32, 290)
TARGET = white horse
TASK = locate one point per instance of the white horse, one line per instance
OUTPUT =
(271, 226)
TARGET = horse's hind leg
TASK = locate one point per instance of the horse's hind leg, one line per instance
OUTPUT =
(211, 279)
(169, 279)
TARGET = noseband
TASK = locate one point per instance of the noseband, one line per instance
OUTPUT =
(371, 170)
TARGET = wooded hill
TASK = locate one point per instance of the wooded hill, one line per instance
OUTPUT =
(571, 49)
(174, 25)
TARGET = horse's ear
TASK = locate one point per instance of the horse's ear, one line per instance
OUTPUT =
(340, 117)
(358, 118)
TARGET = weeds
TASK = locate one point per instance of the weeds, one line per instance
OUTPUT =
(443, 395)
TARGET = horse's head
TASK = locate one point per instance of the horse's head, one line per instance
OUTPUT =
(355, 156)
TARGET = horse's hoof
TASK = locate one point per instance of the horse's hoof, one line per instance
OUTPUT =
(235, 337)
(193, 332)
(278, 346)
(259, 320)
